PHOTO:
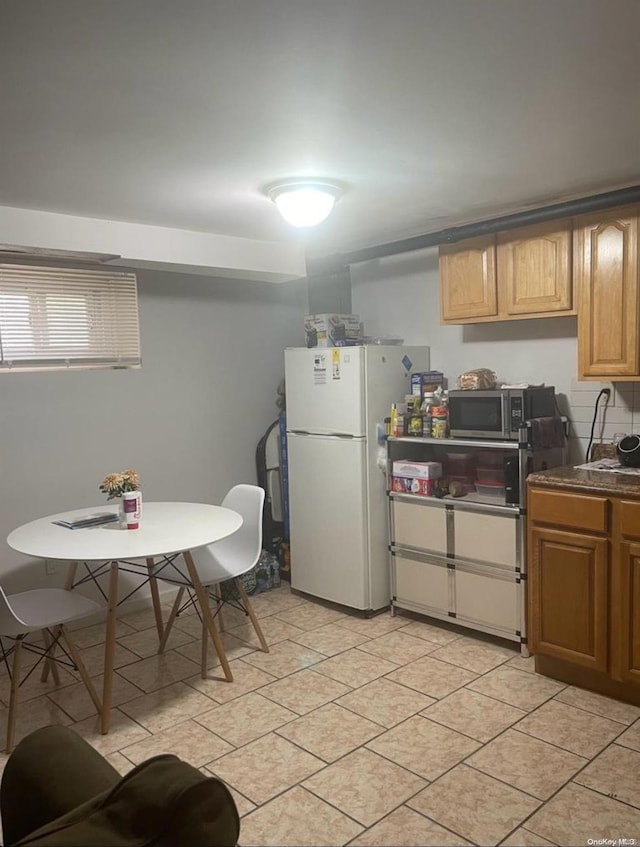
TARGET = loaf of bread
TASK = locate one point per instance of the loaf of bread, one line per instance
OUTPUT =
(479, 379)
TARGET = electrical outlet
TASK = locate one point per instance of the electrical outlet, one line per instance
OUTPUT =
(50, 568)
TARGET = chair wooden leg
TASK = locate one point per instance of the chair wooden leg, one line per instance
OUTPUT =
(201, 594)
(219, 605)
(49, 663)
(155, 597)
(203, 650)
(13, 697)
(84, 676)
(254, 620)
(169, 624)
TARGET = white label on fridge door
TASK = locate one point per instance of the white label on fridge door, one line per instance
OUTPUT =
(319, 369)
(335, 363)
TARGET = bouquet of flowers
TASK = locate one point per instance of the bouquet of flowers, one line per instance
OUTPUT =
(115, 484)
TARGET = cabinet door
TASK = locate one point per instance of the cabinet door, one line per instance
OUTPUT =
(625, 602)
(421, 584)
(420, 525)
(468, 280)
(534, 270)
(606, 279)
(489, 597)
(568, 597)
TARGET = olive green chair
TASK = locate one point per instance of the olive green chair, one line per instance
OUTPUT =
(57, 791)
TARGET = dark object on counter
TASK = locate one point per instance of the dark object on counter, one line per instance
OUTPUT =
(547, 433)
(628, 451)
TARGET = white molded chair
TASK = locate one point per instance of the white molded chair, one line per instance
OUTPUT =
(225, 560)
(46, 609)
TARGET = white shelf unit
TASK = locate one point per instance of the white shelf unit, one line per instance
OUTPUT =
(460, 559)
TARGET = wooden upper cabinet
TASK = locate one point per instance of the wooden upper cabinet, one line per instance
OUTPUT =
(606, 278)
(522, 273)
(468, 280)
(534, 270)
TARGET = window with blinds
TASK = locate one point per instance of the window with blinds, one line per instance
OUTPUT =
(60, 318)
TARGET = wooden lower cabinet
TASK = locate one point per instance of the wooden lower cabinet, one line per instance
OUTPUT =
(584, 590)
(568, 596)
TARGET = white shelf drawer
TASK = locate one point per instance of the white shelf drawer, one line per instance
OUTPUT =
(487, 599)
(422, 583)
(419, 525)
(486, 537)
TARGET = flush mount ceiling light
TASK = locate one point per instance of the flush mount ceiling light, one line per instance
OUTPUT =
(304, 202)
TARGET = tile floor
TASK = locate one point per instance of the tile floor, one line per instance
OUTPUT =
(388, 731)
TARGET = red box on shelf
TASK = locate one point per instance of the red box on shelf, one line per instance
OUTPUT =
(412, 485)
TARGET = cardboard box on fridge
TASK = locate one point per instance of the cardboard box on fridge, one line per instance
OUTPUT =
(410, 485)
(417, 470)
(328, 330)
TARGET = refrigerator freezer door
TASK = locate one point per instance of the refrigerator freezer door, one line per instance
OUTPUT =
(329, 555)
(325, 390)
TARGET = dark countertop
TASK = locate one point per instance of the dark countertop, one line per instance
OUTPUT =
(587, 482)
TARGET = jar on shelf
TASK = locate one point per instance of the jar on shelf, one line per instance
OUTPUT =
(439, 422)
(428, 402)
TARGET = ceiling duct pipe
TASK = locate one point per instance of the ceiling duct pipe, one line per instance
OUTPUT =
(569, 208)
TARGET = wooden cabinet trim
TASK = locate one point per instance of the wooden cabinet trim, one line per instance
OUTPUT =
(575, 511)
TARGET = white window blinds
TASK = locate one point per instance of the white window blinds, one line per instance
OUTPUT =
(58, 318)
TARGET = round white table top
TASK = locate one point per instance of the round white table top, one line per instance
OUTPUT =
(164, 528)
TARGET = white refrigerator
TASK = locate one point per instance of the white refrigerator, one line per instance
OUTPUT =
(337, 400)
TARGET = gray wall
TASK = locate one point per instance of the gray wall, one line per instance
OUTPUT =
(399, 296)
(189, 420)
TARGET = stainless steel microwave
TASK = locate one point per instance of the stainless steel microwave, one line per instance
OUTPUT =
(498, 413)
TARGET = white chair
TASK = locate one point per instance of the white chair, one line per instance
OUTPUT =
(46, 609)
(225, 560)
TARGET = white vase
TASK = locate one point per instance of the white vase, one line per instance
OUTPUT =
(132, 508)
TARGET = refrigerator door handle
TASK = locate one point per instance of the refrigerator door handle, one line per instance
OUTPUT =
(344, 435)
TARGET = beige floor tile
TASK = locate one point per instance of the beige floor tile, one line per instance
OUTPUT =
(527, 763)
(355, 667)
(190, 741)
(473, 714)
(373, 627)
(615, 710)
(276, 599)
(77, 703)
(123, 732)
(145, 642)
(575, 815)
(145, 619)
(631, 737)
(403, 827)
(167, 706)
(330, 732)
(273, 629)
(89, 636)
(310, 616)
(158, 671)
(304, 691)
(364, 786)
(572, 729)
(32, 715)
(519, 663)
(431, 677)
(120, 763)
(233, 648)
(385, 702)
(93, 658)
(474, 805)
(266, 767)
(283, 658)
(330, 639)
(295, 818)
(434, 632)
(424, 747)
(517, 688)
(32, 687)
(616, 773)
(398, 647)
(246, 718)
(245, 678)
(523, 838)
(474, 655)
(243, 805)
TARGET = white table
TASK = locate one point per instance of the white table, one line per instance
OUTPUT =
(166, 531)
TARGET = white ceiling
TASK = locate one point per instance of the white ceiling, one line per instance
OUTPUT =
(434, 112)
